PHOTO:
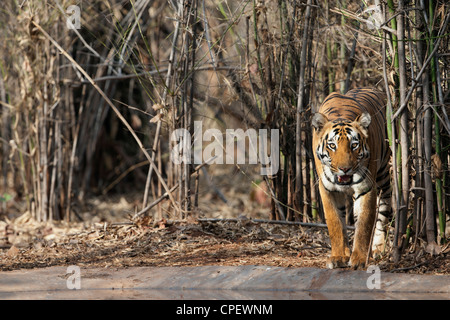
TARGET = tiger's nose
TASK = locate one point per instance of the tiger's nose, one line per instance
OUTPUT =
(345, 169)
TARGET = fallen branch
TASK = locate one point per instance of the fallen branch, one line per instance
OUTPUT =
(295, 223)
(409, 268)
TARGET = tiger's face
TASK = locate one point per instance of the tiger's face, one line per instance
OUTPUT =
(342, 148)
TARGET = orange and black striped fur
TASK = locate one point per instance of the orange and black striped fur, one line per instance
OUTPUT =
(352, 157)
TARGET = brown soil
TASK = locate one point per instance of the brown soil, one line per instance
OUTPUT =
(27, 244)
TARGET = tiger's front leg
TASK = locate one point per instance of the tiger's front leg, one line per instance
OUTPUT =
(365, 213)
(334, 209)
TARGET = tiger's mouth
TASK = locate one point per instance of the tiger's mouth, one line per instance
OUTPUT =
(344, 179)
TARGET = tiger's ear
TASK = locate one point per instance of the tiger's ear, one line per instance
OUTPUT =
(364, 120)
(319, 120)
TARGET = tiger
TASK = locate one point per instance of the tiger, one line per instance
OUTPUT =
(351, 156)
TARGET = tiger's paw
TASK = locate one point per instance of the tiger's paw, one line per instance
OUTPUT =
(337, 262)
(357, 260)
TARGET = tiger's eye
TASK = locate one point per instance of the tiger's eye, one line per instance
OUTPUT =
(331, 145)
(355, 145)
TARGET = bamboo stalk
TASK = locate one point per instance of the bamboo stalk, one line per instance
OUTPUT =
(424, 66)
(427, 131)
(331, 71)
(113, 107)
(437, 133)
(442, 182)
(391, 132)
(392, 138)
(5, 135)
(419, 212)
(163, 98)
(300, 110)
(404, 128)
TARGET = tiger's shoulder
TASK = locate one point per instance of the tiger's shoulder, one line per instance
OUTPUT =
(354, 103)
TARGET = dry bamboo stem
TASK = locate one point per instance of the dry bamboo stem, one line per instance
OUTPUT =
(163, 99)
(404, 126)
(298, 130)
(392, 138)
(113, 107)
(427, 131)
(42, 135)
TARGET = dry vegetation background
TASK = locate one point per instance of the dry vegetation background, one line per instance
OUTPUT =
(87, 114)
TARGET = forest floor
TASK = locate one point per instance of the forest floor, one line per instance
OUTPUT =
(106, 237)
(25, 243)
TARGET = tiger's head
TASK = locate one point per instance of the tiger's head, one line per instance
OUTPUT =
(342, 147)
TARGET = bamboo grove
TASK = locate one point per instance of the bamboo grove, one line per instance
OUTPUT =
(90, 110)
